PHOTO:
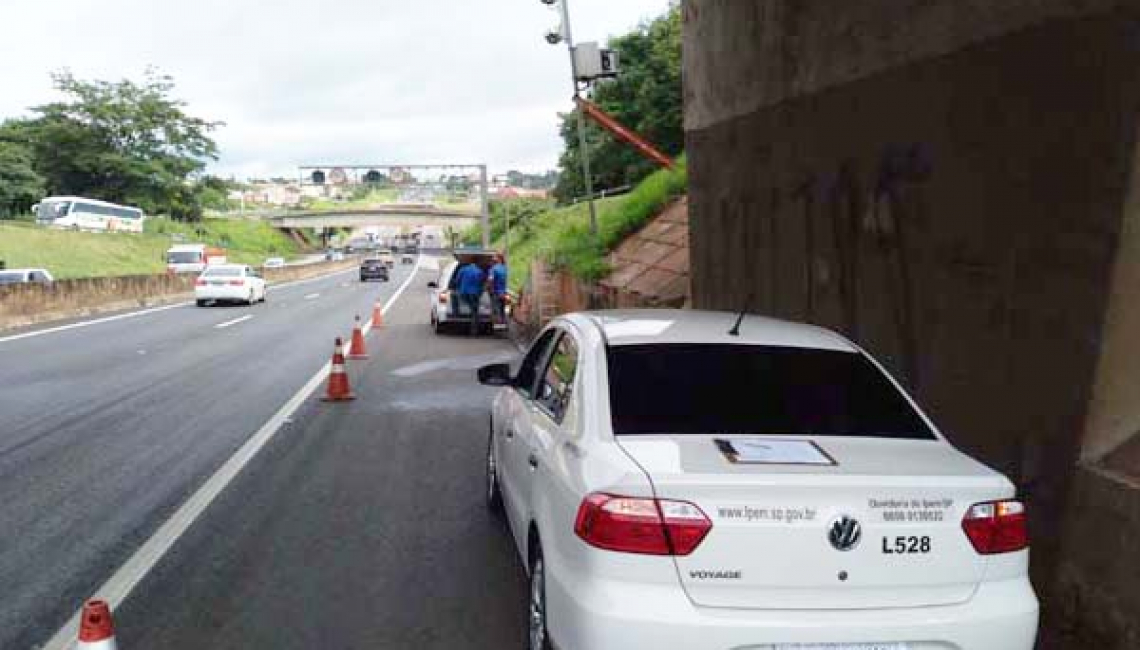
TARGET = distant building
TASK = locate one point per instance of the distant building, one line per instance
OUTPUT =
(274, 194)
(519, 193)
(400, 176)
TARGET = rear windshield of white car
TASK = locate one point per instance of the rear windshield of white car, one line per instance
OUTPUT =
(754, 390)
(221, 272)
(11, 278)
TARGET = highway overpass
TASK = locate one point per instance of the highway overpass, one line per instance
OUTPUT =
(391, 215)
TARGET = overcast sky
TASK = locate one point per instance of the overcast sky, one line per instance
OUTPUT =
(350, 81)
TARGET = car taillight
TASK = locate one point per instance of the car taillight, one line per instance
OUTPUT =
(997, 527)
(641, 525)
(199, 282)
(236, 283)
(443, 297)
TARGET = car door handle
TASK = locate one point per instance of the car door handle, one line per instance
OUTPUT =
(533, 461)
(510, 434)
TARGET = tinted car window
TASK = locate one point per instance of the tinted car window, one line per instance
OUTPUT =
(528, 369)
(183, 258)
(11, 278)
(755, 390)
(558, 380)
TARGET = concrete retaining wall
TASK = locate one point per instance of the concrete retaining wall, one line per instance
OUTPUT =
(23, 305)
(947, 182)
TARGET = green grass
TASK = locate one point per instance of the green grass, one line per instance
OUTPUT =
(561, 237)
(249, 241)
(69, 254)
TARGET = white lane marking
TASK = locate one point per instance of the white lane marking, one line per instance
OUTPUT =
(312, 296)
(128, 576)
(222, 326)
(145, 312)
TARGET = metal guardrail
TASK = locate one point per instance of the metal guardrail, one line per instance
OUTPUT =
(613, 191)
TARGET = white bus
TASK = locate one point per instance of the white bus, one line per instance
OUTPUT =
(78, 213)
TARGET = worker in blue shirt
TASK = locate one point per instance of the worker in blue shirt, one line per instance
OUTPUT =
(471, 280)
(497, 283)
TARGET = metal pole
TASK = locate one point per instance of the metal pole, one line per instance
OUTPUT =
(583, 152)
(507, 238)
(486, 207)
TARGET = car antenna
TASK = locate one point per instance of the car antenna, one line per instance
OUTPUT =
(735, 331)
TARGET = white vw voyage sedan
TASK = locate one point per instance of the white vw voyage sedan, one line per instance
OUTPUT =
(674, 483)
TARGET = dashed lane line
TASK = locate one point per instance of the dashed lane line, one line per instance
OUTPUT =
(130, 574)
(222, 326)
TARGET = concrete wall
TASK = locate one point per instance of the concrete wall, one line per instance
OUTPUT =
(945, 181)
(1098, 593)
(741, 57)
(1114, 412)
(22, 305)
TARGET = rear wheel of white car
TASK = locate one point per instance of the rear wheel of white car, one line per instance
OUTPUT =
(200, 303)
(494, 496)
(536, 610)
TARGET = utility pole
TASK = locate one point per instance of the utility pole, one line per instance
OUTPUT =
(583, 152)
(507, 238)
(485, 206)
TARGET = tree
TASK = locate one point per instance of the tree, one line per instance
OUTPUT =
(544, 181)
(213, 192)
(125, 142)
(20, 185)
(646, 97)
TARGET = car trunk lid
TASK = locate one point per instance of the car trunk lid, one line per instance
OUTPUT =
(771, 545)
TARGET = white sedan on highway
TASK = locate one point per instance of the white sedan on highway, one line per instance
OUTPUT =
(229, 283)
(673, 481)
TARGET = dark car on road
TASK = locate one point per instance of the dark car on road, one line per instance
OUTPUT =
(373, 269)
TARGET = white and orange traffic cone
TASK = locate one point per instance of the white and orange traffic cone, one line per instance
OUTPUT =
(338, 388)
(357, 351)
(377, 315)
(96, 630)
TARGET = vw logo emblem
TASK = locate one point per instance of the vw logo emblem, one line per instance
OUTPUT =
(844, 533)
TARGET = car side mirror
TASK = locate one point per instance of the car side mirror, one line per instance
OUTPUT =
(433, 285)
(496, 374)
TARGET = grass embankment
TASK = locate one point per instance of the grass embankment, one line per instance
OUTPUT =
(69, 254)
(561, 236)
(372, 198)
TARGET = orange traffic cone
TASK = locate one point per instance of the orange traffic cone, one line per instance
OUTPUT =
(356, 351)
(338, 388)
(96, 631)
(377, 315)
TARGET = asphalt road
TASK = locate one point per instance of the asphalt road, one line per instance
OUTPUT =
(361, 525)
(106, 429)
